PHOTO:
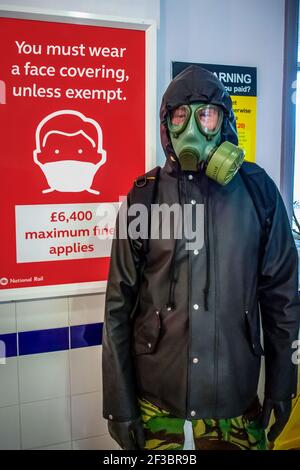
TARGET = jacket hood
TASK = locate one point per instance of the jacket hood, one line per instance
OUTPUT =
(191, 85)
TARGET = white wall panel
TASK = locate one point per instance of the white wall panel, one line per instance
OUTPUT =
(104, 442)
(45, 423)
(7, 317)
(10, 428)
(86, 373)
(42, 314)
(86, 309)
(44, 376)
(87, 418)
(9, 382)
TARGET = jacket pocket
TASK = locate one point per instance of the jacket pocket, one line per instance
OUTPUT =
(253, 332)
(146, 332)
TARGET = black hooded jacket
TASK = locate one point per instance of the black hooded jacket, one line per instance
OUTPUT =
(182, 326)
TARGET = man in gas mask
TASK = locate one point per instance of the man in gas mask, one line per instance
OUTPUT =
(182, 326)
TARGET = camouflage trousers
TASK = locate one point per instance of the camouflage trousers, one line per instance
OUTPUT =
(166, 432)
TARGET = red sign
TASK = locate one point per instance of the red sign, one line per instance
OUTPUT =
(72, 120)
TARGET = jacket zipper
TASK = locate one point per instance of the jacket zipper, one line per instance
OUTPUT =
(188, 408)
(215, 251)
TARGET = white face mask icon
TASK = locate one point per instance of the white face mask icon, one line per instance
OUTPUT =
(69, 151)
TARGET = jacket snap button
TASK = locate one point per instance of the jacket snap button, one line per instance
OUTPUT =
(157, 312)
(193, 413)
(196, 306)
(110, 416)
(196, 252)
(195, 360)
(193, 202)
(190, 177)
(149, 345)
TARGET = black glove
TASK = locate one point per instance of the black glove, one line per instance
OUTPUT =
(282, 411)
(128, 434)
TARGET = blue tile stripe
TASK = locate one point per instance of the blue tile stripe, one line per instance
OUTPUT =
(54, 339)
(86, 335)
(41, 341)
(8, 345)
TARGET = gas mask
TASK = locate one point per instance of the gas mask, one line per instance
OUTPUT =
(195, 131)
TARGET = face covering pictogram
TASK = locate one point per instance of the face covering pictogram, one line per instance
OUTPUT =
(69, 151)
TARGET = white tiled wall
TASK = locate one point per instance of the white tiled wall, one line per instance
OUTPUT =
(83, 364)
(9, 383)
(42, 314)
(10, 435)
(86, 309)
(7, 317)
(96, 443)
(45, 422)
(86, 416)
(52, 371)
(52, 400)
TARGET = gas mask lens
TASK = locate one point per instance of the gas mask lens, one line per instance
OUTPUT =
(179, 118)
(209, 119)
